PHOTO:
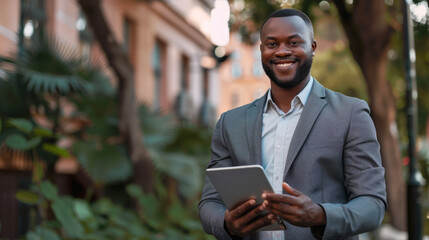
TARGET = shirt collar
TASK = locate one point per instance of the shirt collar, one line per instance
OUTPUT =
(302, 96)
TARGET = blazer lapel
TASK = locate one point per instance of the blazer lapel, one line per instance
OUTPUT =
(313, 107)
(254, 129)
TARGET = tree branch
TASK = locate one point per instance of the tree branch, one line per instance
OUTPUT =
(129, 124)
(355, 41)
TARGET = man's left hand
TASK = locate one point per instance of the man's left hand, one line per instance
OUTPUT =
(295, 207)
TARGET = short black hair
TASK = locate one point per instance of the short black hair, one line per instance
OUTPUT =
(287, 12)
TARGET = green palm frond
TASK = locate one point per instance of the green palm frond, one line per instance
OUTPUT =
(51, 66)
(49, 83)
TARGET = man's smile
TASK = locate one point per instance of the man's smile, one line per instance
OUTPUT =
(284, 65)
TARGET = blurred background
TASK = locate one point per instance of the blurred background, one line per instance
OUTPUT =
(107, 106)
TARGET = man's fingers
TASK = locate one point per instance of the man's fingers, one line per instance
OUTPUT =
(290, 190)
(247, 218)
(242, 209)
(280, 198)
(260, 222)
(279, 209)
(290, 198)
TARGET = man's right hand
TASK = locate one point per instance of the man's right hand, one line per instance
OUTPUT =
(245, 219)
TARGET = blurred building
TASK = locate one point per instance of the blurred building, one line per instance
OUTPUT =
(167, 41)
(242, 78)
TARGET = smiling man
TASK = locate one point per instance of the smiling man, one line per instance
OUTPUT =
(318, 148)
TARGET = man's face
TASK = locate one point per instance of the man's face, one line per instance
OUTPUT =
(287, 51)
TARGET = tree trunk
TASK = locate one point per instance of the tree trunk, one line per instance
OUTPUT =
(369, 38)
(129, 124)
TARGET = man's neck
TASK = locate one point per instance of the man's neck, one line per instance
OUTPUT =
(284, 96)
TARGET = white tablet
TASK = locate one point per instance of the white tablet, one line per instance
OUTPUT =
(238, 184)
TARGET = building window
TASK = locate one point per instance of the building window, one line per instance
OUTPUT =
(207, 114)
(85, 36)
(236, 70)
(184, 78)
(205, 83)
(128, 43)
(183, 104)
(159, 63)
(32, 21)
(257, 63)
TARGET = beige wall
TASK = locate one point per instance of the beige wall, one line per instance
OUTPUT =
(247, 87)
(9, 24)
(64, 14)
(151, 21)
(151, 24)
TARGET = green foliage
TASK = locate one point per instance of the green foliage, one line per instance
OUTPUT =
(178, 151)
(39, 77)
(38, 171)
(27, 197)
(48, 73)
(343, 76)
(48, 66)
(261, 9)
(63, 210)
(181, 167)
(159, 130)
(15, 101)
(23, 135)
(78, 219)
(42, 233)
(192, 140)
(54, 149)
(23, 125)
(104, 163)
(48, 190)
(19, 142)
(422, 74)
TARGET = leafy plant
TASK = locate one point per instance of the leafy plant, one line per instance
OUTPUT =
(104, 163)
(50, 66)
(26, 136)
(38, 81)
(40, 78)
(78, 219)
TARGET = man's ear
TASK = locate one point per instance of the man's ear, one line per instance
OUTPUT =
(313, 47)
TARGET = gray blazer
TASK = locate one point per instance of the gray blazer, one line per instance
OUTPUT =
(334, 158)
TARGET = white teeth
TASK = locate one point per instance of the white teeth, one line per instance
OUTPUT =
(284, 64)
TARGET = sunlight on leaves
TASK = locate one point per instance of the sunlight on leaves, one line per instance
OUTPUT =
(27, 197)
(22, 124)
(54, 149)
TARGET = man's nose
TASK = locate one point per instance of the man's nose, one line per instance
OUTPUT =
(283, 50)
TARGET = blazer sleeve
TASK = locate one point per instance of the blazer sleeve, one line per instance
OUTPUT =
(211, 207)
(364, 180)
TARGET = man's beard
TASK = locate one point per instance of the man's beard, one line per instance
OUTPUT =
(301, 73)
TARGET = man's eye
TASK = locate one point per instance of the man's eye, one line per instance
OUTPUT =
(272, 44)
(294, 43)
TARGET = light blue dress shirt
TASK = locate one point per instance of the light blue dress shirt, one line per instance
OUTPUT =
(277, 131)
